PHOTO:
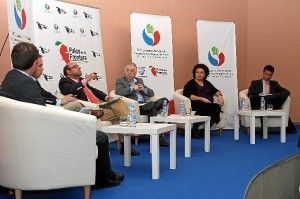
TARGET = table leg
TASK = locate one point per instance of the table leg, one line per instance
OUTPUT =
(173, 149)
(207, 136)
(265, 127)
(155, 156)
(187, 140)
(252, 130)
(236, 127)
(127, 150)
(282, 130)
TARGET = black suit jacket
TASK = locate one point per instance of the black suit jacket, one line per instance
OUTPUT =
(256, 87)
(68, 86)
(21, 87)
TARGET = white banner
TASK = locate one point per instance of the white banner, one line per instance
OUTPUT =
(217, 50)
(63, 33)
(151, 43)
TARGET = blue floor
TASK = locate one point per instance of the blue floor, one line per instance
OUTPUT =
(223, 173)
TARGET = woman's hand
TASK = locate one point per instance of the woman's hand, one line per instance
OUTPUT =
(205, 100)
(220, 99)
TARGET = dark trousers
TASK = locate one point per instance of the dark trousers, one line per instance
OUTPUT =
(151, 108)
(276, 100)
(103, 166)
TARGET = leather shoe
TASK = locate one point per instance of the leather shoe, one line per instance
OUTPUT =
(107, 184)
(163, 142)
(133, 152)
(118, 176)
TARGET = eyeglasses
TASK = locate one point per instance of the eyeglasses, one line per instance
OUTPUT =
(130, 71)
(75, 66)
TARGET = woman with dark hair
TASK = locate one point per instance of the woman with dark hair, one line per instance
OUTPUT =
(200, 91)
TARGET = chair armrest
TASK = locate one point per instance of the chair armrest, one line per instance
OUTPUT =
(58, 141)
(177, 97)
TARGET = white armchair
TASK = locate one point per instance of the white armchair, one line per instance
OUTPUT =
(178, 95)
(272, 122)
(112, 136)
(44, 148)
(140, 118)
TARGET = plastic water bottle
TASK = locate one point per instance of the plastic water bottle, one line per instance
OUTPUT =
(165, 108)
(181, 108)
(262, 104)
(131, 116)
(243, 104)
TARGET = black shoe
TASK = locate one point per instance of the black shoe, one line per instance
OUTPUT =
(163, 142)
(133, 152)
(107, 184)
(118, 176)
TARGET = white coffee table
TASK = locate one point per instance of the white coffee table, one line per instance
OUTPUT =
(154, 130)
(265, 114)
(188, 121)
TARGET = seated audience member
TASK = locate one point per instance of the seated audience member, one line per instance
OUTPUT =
(271, 90)
(133, 87)
(74, 84)
(200, 91)
(20, 84)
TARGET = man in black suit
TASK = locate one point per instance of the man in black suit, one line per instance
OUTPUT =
(20, 84)
(271, 90)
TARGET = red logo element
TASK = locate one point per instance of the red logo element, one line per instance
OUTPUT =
(153, 70)
(63, 51)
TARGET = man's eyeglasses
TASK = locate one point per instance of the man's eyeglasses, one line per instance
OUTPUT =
(75, 66)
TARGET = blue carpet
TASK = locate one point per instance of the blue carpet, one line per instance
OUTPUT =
(223, 173)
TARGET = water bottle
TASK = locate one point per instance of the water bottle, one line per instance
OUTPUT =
(243, 104)
(165, 108)
(131, 116)
(181, 108)
(262, 104)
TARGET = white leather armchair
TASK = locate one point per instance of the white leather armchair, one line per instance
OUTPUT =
(272, 122)
(178, 95)
(112, 136)
(44, 148)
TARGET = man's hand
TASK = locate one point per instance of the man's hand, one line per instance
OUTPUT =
(140, 87)
(108, 98)
(91, 76)
(68, 98)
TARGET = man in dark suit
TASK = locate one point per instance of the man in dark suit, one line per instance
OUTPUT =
(134, 88)
(271, 90)
(20, 84)
(74, 84)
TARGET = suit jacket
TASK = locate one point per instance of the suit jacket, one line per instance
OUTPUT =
(21, 87)
(68, 86)
(256, 87)
(123, 88)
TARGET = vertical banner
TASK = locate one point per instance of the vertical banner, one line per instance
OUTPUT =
(63, 33)
(151, 43)
(217, 50)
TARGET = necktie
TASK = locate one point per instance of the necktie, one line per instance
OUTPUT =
(267, 87)
(90, 95)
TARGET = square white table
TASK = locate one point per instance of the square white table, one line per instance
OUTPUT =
(154, 130)
(188, 121)
(258, 113)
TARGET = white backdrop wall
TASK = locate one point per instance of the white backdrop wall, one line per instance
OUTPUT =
(152, 52)
(217, 50)
(63, 33)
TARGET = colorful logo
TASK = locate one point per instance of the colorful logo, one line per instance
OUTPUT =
(21, 21)
(63, 50)
(152, 37)
(215, 57)
(153, 71)
(47, 7)
(56, 27)
(75, 12)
